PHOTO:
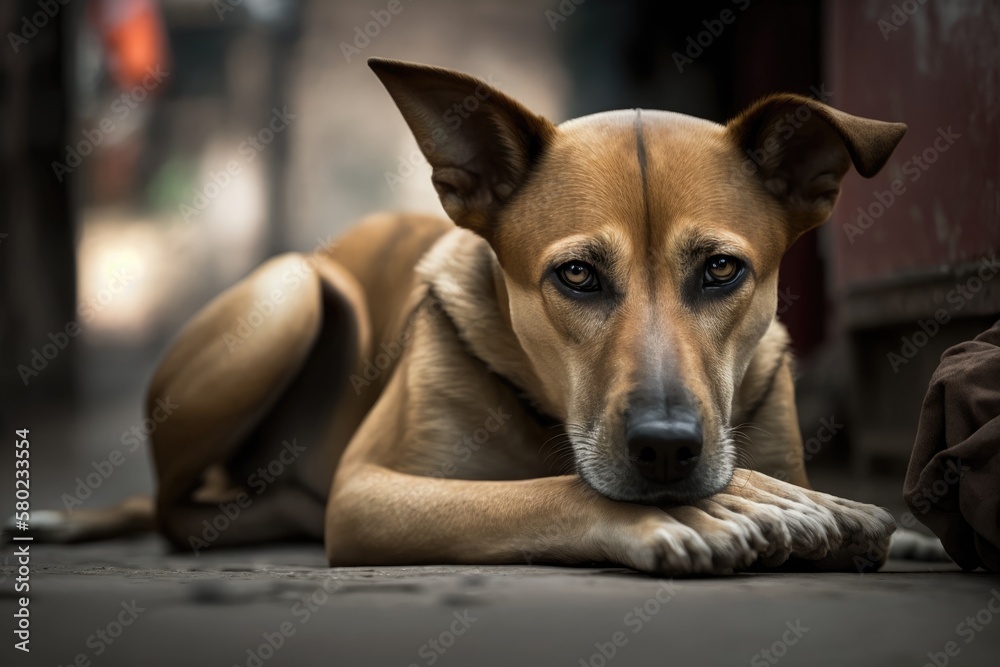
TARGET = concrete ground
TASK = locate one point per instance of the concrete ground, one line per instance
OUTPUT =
(230, 608)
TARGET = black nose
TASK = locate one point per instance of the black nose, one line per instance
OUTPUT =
(665, 451)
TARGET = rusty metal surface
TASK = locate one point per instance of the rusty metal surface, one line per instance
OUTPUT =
(935, 66)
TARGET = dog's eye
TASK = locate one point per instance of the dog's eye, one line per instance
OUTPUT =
(722, 270)
(579, 276)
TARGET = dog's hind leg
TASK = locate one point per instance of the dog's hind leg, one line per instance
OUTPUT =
(225, 375)
(232, 370)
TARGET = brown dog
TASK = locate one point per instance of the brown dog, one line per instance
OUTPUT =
(563, 377)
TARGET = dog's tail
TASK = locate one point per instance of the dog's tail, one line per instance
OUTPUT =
(133, 515)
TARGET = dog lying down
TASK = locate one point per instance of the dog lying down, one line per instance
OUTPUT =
(583, 370)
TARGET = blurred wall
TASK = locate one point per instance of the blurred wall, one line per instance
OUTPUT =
(909, 244)
(37, 233)
(351, 152)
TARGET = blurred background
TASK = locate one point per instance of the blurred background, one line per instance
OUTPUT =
(153, 152)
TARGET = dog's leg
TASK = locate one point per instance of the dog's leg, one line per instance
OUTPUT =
(214, 385)
(381, 517)
(214, 389)
(226, 383)
(285, 512)
(223, 380)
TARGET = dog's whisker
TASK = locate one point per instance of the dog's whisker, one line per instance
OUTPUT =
(558, 449)
(753, 425)
(553, 438)
(745, 459)
(742, 446)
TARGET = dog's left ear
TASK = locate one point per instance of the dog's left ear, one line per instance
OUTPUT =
(481, 144)
(801, 149)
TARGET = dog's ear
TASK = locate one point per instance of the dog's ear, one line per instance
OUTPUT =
(481, 144)
(801, 149)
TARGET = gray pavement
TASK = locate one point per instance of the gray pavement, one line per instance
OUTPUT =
(132, 602)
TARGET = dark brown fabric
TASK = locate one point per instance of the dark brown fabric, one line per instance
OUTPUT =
(953, 482)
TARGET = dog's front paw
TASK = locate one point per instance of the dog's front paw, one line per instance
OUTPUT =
(689, 540)
(833, 532)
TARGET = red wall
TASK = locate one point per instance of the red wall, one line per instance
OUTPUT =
(936, 69)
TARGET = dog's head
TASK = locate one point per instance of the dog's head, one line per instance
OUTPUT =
(640, 254)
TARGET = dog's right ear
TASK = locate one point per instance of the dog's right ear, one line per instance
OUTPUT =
(481, 144)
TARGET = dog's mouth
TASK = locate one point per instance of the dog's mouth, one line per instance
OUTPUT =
(645, 493)
(621, 477)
